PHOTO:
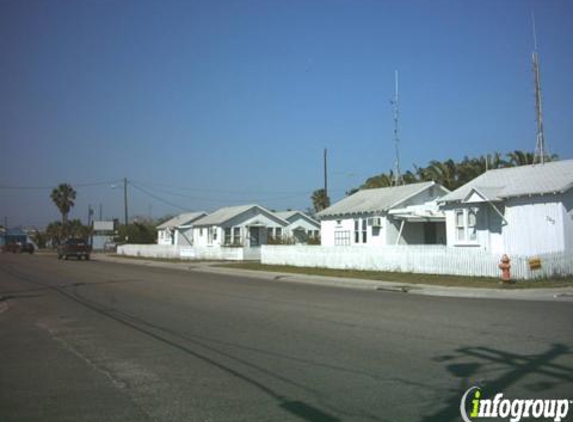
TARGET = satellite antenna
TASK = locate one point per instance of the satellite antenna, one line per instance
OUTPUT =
(396, 103)
(540, 153)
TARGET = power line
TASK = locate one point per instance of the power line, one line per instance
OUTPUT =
(75, 185)
(233, 192)
(145, 191)
(245, 198)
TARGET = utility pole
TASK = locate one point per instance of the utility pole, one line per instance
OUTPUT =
(125, 199)
(325, 175)
(540, 153)
(396, 103)
(90, 213)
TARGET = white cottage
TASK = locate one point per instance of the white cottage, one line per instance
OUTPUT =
(243, 225)
(395, 215)
(178, 230)
(525, 210)
(301, 227)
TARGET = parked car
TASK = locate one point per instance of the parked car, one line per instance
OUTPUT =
(18, 247)
(79, 248)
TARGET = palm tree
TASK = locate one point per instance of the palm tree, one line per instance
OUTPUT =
(319, 200)
(63, 197)
(381, 181)
(520, 158)
(54, 232)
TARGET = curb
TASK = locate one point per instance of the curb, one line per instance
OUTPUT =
(558, 294)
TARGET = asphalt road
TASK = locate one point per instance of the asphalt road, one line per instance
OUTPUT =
(100, 341)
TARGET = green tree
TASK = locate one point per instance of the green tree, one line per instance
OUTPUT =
(54, 232)
(138, 232)
(319, 200)
(63, 197)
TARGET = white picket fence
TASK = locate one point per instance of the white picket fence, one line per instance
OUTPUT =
(427, 259)
(190, 252)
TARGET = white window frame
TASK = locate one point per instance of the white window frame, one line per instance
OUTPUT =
(342, 238)
(465, 233)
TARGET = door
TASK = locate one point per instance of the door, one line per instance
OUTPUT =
(254, 236)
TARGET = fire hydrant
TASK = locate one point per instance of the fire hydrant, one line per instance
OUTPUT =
(505, 266)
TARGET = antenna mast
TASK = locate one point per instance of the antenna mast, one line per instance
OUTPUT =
(396, 103)
(540, 153)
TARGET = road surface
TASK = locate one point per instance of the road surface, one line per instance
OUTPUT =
(99, 341)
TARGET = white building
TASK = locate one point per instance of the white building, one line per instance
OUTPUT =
(178, 230)
(397, 215)
(243, 225)
(525, 210)
(301, 226)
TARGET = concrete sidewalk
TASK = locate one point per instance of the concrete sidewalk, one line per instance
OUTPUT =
(560, 294)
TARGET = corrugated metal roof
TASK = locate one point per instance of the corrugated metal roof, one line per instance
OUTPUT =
(181, 219)
(225, 214)
(498, 184)
(374, 200)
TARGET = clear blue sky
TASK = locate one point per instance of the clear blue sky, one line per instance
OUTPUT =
(235, 100)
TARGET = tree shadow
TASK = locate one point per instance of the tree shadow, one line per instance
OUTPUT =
(467, 363)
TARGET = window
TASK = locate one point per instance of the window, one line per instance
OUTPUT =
(227, 236)
(278, 232)
(215, 231)
(236, 235)
(460, 226)
(360, 230)
(342, 238)
(466, 221)
(269, 232)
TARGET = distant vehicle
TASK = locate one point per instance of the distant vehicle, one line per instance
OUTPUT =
(79, 248)
(18, 247)
(27, 247)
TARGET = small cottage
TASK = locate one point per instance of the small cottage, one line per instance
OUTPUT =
(243, 225)
(178, 230)
(395, 215)
(524, 210)
(301, 227)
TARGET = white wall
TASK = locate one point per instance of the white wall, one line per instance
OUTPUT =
(428, 259)
(567, 216)
(374, 237)
(189, 252)
(536, 225)
(164, 237)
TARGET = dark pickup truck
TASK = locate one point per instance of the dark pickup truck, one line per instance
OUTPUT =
(74, 247)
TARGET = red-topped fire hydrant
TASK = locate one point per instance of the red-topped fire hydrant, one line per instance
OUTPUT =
(505, 267)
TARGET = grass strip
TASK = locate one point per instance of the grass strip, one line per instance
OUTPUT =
(410, 278)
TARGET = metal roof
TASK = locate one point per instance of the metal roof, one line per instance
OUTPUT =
(287, 215)
(181, 219)
(375, 200)
(499, 184)
(225, 214)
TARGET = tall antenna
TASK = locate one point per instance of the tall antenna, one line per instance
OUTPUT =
(540, 153)
(396, 103)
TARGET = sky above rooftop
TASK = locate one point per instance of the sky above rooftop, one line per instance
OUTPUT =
(203, 104)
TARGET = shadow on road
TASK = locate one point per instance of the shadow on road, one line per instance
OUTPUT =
(468, 365)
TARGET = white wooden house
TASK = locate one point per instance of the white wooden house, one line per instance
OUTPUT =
(243, 225)
(525, 210)
(396, 215)
(178, 230)
(301, 227)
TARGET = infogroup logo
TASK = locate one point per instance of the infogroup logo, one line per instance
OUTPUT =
(514, 409)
